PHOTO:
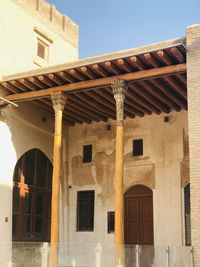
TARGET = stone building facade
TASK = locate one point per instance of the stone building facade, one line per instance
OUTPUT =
(165, 163)
(25, 25)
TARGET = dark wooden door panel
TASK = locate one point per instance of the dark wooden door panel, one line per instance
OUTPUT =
(139, 216)
(133, 237)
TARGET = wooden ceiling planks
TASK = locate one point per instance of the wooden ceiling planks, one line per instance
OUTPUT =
(150, 95)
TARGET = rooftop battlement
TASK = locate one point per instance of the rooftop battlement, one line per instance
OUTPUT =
(59, 22)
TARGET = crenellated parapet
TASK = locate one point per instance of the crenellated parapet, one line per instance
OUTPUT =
(62, 24)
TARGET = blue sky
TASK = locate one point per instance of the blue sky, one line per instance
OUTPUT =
(111, 25)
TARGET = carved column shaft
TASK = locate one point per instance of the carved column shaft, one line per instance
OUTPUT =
(119, 90)
(59, 102)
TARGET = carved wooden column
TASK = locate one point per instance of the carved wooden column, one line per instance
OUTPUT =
(59, 102)
(119, 90)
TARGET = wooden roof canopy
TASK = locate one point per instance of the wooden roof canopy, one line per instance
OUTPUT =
(156, 79)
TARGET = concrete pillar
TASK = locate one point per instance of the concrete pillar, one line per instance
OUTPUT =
(119, 90)
(193, 86)
(59, 102)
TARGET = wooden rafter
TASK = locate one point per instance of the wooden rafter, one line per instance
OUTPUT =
(78, 86)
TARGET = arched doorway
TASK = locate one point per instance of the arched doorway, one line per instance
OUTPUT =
(138, 201)
(32, 182)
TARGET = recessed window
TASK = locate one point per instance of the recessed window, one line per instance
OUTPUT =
(111, 222)
(137, 147)
(42, 50)
(187, 215)
(87, 153)
(85, 210)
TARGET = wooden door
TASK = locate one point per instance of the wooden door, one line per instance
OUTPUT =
(139, 216)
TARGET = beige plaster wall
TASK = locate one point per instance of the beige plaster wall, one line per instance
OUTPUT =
(159, 169)
(18, 39)
(22, 129)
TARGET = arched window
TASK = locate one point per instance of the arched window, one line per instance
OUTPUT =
(32, 184)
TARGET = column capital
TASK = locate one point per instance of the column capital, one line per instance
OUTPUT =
(119, 90)
(58, 100)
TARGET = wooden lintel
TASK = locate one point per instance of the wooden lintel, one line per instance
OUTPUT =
(80, 86)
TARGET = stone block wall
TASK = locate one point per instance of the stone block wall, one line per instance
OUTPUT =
(18, 37)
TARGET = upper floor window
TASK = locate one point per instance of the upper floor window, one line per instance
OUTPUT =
(87, 153)
(43, 43)
(137, 147)
(41, 49)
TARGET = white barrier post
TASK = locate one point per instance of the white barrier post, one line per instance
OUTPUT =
(45, 254)
(137, 256)
(168, 259)
(98, 250)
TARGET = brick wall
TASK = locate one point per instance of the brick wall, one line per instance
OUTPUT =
(193, 85)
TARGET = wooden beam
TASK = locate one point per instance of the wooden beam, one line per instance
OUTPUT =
(74, 113)
(131, 103)
(151, 60)
(54, 78)
(88, 73)
(76, 74)
(164, 57)
(68, 116)
(151, 99)
(104, 104)
(110, 67)
(179, 56)
(136, 63)
(103, 110)
(78, 86)
(159, 95)
(99, 70)
(143, 100)
(46, 81)
(124, 65)
(83, 111)
(10, 87)
(28, 84)
(176, 86)
(85, 106)
(67, 78)
(130, 112)
(36, 82)
(172, 95)
(20, 86)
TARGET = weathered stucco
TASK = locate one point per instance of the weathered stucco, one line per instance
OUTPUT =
(160, 168)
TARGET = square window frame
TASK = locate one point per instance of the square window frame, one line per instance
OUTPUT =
(45, 40)
(142, 151)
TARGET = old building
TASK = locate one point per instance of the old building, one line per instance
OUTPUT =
(129, 128)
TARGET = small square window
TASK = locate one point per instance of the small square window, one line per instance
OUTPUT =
(137, 147)
(87, 153)
(42, 50)
(111, 222)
